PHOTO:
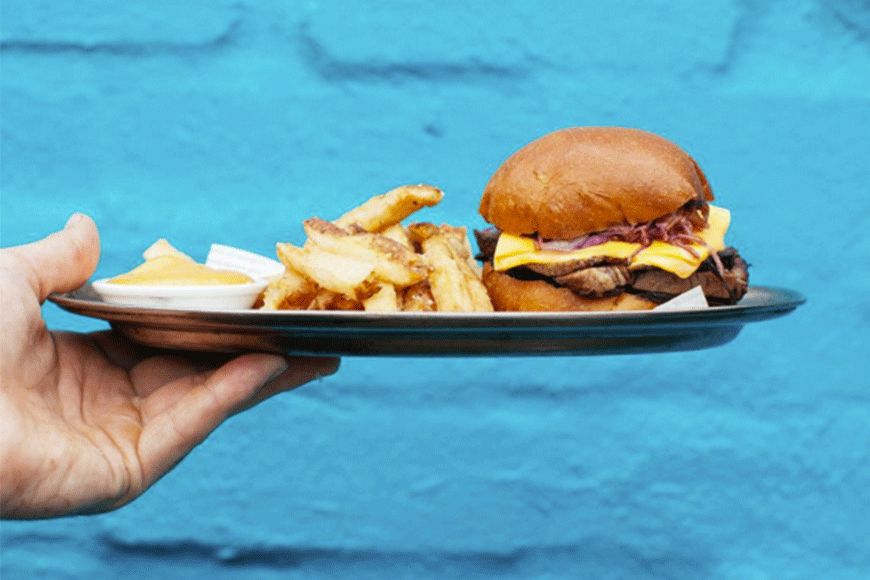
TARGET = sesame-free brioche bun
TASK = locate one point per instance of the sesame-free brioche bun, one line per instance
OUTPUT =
(586, 179)
(512, 294)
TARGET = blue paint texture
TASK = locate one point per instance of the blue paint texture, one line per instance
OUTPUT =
(231, 121)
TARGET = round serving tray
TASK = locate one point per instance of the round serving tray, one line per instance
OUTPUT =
(343, 333)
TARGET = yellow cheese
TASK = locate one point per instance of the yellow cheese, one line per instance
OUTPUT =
(512, 251)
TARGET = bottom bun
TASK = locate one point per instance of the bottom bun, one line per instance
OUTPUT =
(510, 294)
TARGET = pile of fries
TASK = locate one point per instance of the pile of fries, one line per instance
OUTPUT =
(368, 260)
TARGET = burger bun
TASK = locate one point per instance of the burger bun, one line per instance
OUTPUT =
(512, 294)
(580, 180)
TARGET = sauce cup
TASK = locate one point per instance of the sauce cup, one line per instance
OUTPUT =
(198, 297)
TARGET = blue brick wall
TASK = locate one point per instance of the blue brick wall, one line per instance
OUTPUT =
(233, 121)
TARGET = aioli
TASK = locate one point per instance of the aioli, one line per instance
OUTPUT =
(166, 266)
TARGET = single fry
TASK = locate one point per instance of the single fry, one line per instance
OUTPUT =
(419, 232)
(418, 298)
(390, 208)
(291, 291)
(328, 300)
(481, 302)
(385, 299)
(398, 234)
(324, 227)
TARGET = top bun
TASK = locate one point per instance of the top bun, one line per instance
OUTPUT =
(586, 179)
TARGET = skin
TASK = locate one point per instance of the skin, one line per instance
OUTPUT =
(89, 421)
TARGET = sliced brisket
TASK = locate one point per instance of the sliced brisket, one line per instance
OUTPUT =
(486, 242)
(726, 287)
(596, 281)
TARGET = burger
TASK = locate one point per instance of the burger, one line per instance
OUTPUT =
(604, 218)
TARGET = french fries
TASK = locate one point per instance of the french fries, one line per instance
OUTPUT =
(368, 260)
(455, 284)
(390, 208)
(389, 261)
(334, 272)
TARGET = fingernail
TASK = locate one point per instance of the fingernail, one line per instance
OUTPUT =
(327, 367)
(332, 367)
(279, 370)
(74, 220)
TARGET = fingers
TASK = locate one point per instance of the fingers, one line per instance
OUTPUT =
(299, 372)
(128, 355)
(210, 397)
(64, 260)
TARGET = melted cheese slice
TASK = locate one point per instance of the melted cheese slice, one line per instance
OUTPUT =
(512, 251)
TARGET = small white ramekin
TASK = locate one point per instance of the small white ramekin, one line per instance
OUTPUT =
(204, 297)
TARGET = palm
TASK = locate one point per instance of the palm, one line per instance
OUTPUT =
(89, 421)
(113, 426)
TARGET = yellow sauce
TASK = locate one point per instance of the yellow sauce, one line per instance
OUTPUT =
(172, 268)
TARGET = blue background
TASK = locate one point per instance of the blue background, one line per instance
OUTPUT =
(232, 121)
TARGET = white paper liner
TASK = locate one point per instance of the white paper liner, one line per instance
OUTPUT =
(254, 265)
(688, 300)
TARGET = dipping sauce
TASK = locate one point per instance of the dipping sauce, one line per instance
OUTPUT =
(166, 266)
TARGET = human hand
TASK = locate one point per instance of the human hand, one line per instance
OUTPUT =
(89, 421)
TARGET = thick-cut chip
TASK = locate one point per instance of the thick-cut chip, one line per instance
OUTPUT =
(324, 227)
(418, 298)
(419, 232)
(399, 234)
(328, 300)
(481, 302)
(390, 208)
(291, 291)
(384, 300)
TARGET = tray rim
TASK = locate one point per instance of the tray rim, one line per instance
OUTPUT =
(353, 333)
(760, 303)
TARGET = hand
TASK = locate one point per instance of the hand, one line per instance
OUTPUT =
(89, 421)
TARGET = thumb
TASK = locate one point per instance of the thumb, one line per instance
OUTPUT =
(64, 260)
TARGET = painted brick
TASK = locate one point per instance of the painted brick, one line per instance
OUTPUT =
(129, 28)
(233, 121)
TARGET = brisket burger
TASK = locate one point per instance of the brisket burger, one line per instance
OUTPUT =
(604, 218)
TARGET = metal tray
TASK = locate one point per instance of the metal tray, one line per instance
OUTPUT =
(341, 333)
